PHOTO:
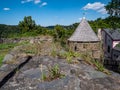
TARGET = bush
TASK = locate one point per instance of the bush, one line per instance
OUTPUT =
(27, 34)
(90, 60)
(53, 73)
(69, 56)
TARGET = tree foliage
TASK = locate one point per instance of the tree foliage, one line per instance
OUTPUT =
(27, 24)
(58, 32)
(8, 30)
(27, 27)
(113, 8)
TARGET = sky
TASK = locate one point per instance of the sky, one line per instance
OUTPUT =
(51, 12)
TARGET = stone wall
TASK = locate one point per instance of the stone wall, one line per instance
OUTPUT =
(93, 49)
(28, 39)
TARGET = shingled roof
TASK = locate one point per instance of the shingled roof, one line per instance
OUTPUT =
(84, 33)
(114, 34)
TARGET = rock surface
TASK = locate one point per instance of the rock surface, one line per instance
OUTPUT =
(8, 58)
(78, 76)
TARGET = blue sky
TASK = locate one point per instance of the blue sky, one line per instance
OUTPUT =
(51, 12)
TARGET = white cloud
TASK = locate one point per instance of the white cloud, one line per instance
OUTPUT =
(26, 1)
(22, 2)
(37, 1)
(43, 4)
(97, 6)
(94, 6)
(103, 11)
(6, 9)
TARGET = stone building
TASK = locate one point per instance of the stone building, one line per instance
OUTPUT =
(84, 40)
(111, 48)
(111, 43)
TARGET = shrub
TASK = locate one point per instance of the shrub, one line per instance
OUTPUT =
(53, 73)
(53, 53)
(90, 60)
(69, 56)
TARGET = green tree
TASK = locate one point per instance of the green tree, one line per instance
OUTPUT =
(27, 24)
(59, 32)
(113, 8)
(8, 30)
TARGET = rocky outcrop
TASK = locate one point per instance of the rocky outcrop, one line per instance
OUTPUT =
(8, 70)
(80, 76)
(21, 72)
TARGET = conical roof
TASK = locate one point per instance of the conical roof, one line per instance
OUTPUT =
(84, 33)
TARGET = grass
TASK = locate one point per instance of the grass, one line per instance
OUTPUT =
(70, 56)
(27, 48)
(54, 72)
(98, 65)
(6, 47)
(1, 58)
(55, 49)
(53, 53)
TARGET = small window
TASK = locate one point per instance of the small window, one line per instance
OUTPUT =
(75, 48)
(108, 49)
